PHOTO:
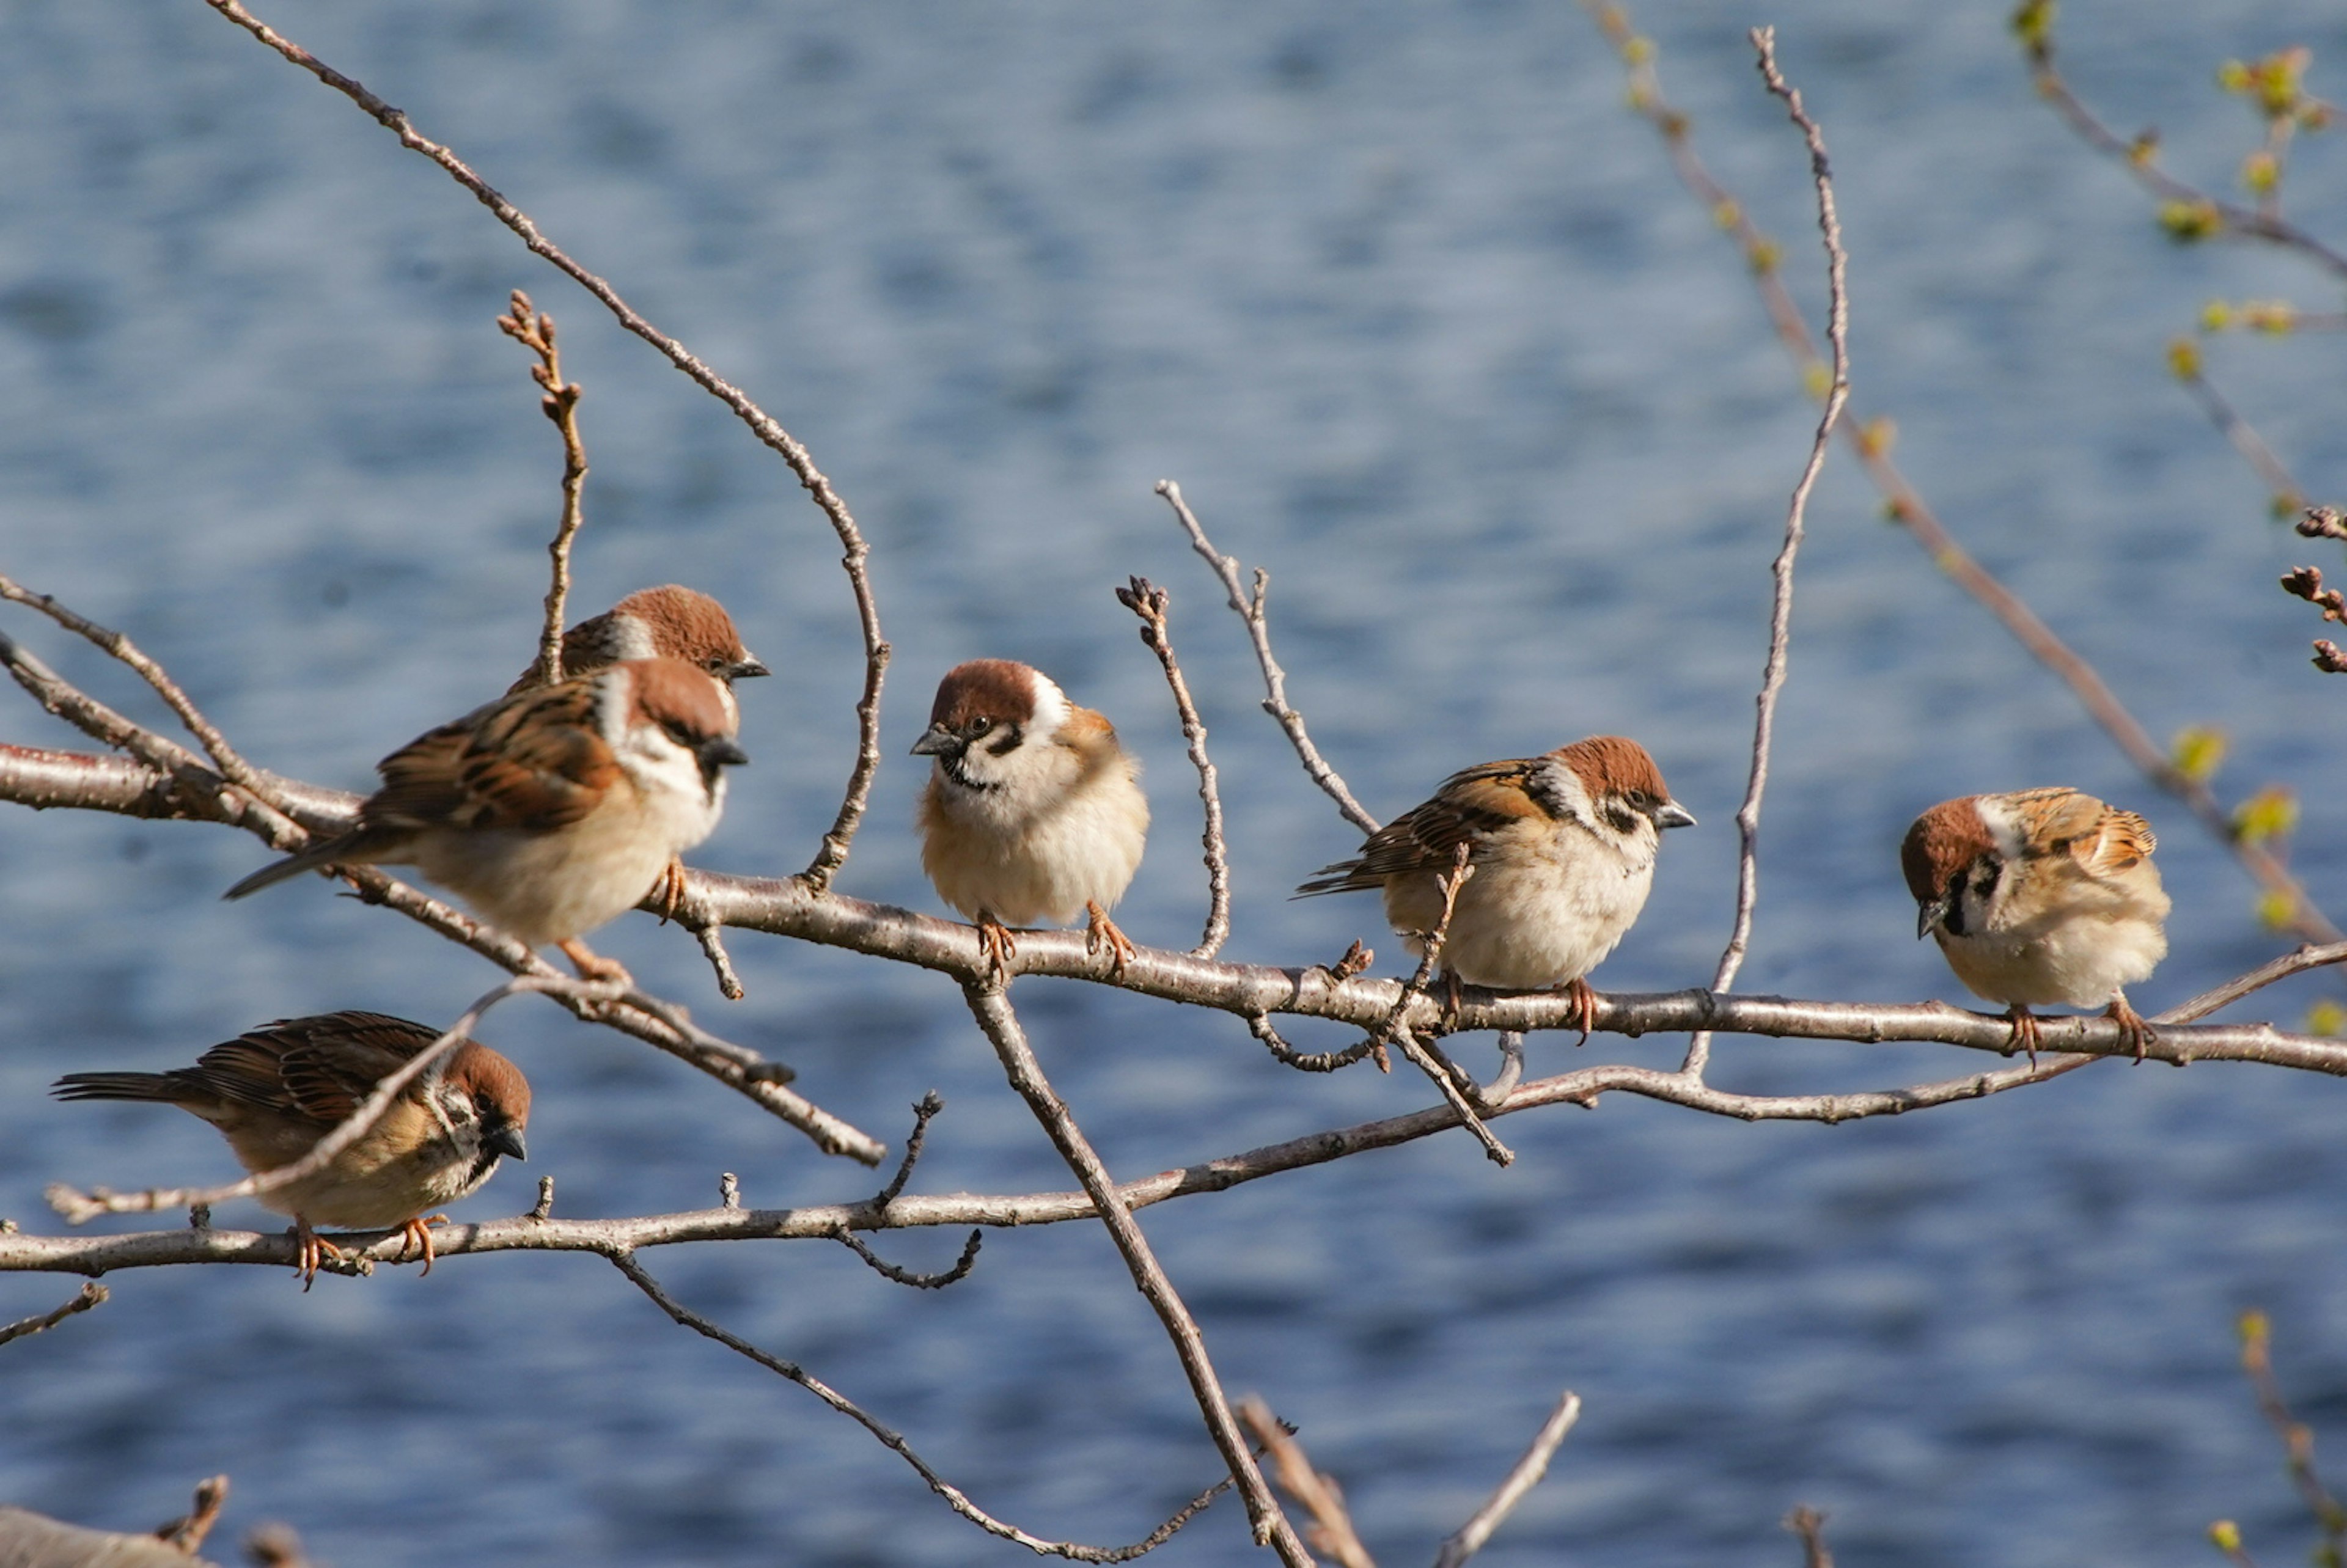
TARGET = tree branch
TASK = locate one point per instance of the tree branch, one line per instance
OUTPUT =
(1149, 601)
(92, 1294)
(1517, 1485)
(835, 843)
(534, 330)
(1780, 608)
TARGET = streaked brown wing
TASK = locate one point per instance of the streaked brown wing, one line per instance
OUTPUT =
(2124, 843)
(1470, 806)
(2100, 841)
(329, 1063)
(532, 760)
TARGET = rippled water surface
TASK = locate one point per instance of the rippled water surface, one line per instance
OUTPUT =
(1417, 315)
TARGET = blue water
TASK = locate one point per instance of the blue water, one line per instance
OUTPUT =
(1416, 314)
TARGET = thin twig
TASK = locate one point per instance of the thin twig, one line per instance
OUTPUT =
(1870, 443)
(92, 1294)
(1259, 1025)
(1275, 680)
(955, 1498)
(78, 1206)
(2297, 1437)
(2282, 486)
(1780, 607)
(991, 1008)
(534, 330)
(712, 946)
(1810, 1525)
(187, 1533)
(1149, 601)
(1318, 1496)
(889, 1271)
(1515, 1488)
(925, 1111)
(835, 843)
(1499, 1153)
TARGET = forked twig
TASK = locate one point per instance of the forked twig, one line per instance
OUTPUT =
(1318, 1496)
(1810, 1525)
(1780, 607)
(534, 330)
(1149, 601)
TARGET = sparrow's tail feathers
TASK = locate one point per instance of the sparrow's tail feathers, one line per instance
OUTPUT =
(166, 1087)
(1344, 876)
(350, 849)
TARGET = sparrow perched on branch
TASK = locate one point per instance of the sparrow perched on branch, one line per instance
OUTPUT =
(1033, 812)
(553, 809)
(665, 622)
(1560, 853)
(2040, 895)
(275, 1091)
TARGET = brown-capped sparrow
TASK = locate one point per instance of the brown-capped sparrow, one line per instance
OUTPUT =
(1561, 849)
(553, 809)
(1032, 811)
(665, 622)
(275, 1091)
(2040, 895)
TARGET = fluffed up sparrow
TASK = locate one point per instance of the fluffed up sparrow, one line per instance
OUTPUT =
(2040, 895)
(665, 622)
(275, 1091)
(1562, 853)
(1032, 811)
(553, 809)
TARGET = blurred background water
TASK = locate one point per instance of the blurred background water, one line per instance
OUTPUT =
(1416, 312)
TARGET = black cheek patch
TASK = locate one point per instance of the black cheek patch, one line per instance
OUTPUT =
(1952, 922)
(1007, 744)
(1620, 821)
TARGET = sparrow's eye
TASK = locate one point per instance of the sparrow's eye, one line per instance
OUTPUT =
(678, 734)
(712, 665)
(980, 726)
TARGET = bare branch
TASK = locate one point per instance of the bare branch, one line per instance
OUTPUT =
(92, 1294)
(1810, 1525)
(1780, 608)
(925, 1111)
(712, 946)
(1274, 679)
(1318, 1494)
(187, 1533)
(1001, 1026)
(954, 1496)
(1870, 440)
(1515, 1488)
(534, 330)
(2184, 359)
(1420, 1056)
(1149, 601)
(835, 843)
(889, 1271)
(2297, 1437)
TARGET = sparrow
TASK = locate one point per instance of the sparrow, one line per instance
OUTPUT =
(553, 809)
(2040, 895)
(275, 1091)
(1032, 811)
(1561, 853)
(664, 622)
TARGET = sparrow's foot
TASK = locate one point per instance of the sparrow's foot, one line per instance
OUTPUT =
(1451, 999)
(315, 1250)
(416, 1237)
(670, 889)
(2132, 1027)
(1099, 932)
(1583, 1016)
(2025, 1032)
(592, 966)
(997, 946)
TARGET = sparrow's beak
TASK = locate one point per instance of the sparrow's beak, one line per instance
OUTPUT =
(939, 742)
(1930, 915)
(742, 669)
(720, 753)
(1671, 813)
(506, 1140)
